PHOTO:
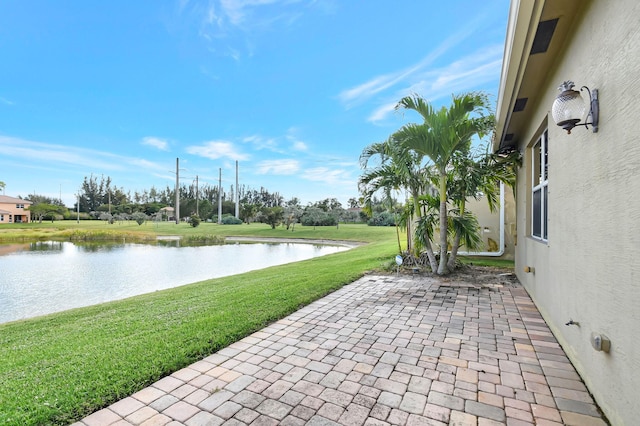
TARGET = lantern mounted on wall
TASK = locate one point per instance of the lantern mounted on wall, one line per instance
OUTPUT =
(569, 108)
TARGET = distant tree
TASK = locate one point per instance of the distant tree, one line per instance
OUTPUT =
(352, 216)
(205, 209)
(139, 217)
(292, 213)
(2, 186)
(248, 212)
(107, 217)
(353, 203)
(194, 220)
(328, 204)
(315, 216)
(95, 193)
(41, 211)
(272, 216)
(37, 199)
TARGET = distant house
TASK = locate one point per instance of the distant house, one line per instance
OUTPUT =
(577, 249)
(167, 213)
(13, 210)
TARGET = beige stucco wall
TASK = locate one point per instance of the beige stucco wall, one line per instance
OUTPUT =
(11, 209)
(490, 223)
(589, 271)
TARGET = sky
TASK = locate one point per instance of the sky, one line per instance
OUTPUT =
(293, 90)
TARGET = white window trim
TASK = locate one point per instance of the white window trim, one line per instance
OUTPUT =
(541, 186)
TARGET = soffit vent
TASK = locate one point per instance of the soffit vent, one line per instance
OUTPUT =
(520, 104)
(543, 37)
(508, 137)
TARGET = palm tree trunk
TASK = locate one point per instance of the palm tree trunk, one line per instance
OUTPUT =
(442, 268)
(409, 236)
(451, 264)
(433, 262)
(429, 248)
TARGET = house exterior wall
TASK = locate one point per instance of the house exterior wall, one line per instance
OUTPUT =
(11, 213)
(589, 270)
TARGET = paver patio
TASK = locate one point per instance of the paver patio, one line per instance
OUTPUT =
(384, 350)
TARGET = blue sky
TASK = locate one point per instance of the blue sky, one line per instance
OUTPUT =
(292, 89)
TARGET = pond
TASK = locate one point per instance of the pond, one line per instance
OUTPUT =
(45, 277)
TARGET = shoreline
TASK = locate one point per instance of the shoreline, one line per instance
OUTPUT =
(345, 243)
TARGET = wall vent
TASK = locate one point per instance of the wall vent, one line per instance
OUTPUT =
(520, 104)
(543, 37)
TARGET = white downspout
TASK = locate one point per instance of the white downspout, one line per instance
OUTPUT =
(501, 251)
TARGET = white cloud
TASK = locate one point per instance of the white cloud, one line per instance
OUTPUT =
(216, 149)
(278, 167)
(462, 75)
(328, 176)
(299, 146)
(6, 101)
(382, 112)
(431, 83)
(367, 90)
(34, 152)
(230, 26)
(158, 143)
(144, 164)
(259, 143)
(238, 12)
(296, 143)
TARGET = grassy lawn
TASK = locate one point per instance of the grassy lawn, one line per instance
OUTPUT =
(93, 229)
(58, 368)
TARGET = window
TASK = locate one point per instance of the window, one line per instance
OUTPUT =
(19, 206)
(1, 218)
(540, 182)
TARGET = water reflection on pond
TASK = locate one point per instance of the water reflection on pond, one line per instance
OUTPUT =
(45, 277)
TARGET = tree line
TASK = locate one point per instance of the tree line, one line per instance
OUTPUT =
(99, 198)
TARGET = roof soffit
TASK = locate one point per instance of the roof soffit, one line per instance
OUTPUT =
(523, 73)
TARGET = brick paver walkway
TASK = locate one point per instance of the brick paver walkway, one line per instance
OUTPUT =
(384, 350)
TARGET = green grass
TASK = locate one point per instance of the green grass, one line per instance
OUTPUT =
(59, 368)
(99, 230)
(487, 261)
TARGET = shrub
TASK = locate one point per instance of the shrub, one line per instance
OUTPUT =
(230, 220)
(382, 219)
(139, 217)
(194, 220)
(316, 217)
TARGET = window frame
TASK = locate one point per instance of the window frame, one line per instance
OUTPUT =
(540, 187)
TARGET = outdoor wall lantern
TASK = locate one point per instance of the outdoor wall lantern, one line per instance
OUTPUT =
(569, 108)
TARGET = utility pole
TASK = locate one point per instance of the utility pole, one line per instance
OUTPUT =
(177, 210)
(220, 198)
(237, 194)
(197, 196)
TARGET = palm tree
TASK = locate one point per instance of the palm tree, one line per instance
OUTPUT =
(443, 133)
(398, 169)
(2, 186)
(472, 176)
